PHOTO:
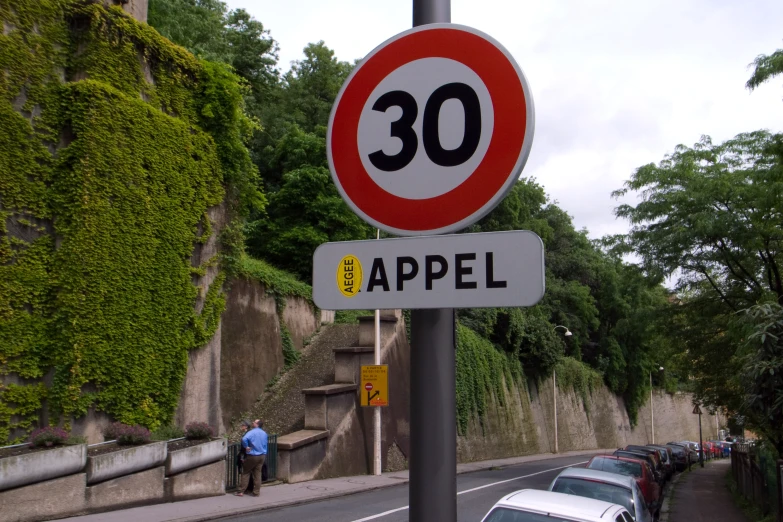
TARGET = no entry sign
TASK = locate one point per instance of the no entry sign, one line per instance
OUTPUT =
(431, 130)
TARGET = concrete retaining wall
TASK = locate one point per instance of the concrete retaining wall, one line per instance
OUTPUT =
(251, 351)
(72, 495)
(525, 425)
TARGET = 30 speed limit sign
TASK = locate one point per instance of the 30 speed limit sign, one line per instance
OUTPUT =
(431, 130)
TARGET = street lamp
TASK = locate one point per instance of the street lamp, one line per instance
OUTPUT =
(554, 383)
(567, 331)
(652, 414)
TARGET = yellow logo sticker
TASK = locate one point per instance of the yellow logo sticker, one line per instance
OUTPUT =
(349, 276)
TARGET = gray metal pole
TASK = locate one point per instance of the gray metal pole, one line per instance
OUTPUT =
(701, 444)
(431, 12)
(433, 453)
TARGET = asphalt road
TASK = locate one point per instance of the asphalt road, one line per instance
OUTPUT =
(477, 493)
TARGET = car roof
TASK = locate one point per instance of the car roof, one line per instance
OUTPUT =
(617, 457)
(636, 453)
(598, 475)
(570, 506)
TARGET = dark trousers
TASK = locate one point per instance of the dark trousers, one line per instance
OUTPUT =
(252, 466)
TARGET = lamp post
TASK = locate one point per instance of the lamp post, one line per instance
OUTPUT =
(554, 385)
(652, 413)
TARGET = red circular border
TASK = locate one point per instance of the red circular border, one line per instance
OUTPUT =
(508, 100)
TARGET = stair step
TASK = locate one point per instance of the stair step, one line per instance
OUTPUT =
(354, 349)
(300, 438)
(331, 389)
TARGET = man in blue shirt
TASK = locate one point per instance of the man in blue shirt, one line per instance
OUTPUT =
(254, 443)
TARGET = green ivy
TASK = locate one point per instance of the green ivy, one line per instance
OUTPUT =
(290, 355)
(482, 371)
(278, 283)
(578, 376)
(105, 183)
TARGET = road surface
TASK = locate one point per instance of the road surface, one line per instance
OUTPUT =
(477, 492)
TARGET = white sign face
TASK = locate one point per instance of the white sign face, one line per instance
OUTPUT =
(430, 131)
(422, 178)
(496, 269)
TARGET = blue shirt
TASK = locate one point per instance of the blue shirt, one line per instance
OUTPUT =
(255, 441)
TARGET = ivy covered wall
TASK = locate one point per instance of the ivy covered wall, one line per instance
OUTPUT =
(115, 144)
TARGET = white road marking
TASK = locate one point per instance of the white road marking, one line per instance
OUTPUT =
(379, 515)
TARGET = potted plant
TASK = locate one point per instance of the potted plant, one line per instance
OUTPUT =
(128, 449)
(197, 448)
(49, 453)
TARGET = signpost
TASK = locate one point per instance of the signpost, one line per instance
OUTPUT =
(697, 411)
(427, 135)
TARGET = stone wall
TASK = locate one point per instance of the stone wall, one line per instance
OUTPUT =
(525, 424)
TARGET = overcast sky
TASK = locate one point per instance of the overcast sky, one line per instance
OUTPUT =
(616, 83)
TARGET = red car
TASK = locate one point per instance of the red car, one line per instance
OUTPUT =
(637, 468)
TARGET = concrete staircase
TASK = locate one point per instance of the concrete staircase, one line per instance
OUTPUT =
(337, 435)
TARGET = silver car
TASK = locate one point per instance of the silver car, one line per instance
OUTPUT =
(602, 485)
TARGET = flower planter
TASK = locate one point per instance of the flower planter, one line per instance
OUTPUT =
(195, 456)
(124, 461)
(21, 470)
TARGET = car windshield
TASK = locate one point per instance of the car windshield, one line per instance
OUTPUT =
(502, 514)
(622, 467)
(598, 490)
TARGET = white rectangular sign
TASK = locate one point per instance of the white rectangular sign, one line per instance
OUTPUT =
(495, 269)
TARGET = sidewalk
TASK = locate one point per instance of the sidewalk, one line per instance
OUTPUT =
(289, 494)
(702, 496)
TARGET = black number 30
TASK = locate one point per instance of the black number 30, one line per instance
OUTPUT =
(403, 128)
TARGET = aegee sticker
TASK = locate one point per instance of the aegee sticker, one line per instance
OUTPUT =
(349, 276)
(462, 271)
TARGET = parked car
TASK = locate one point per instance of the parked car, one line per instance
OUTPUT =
(640, 470)
(693, 455)
(655, 454)
(666, 459)
(602, 485)
(680, 454)
(645, 457)
(532, 505)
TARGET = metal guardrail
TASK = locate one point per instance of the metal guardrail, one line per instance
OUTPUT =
(232, 471)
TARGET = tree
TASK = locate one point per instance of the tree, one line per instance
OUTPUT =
(711, 214)
(762, 372)
(766, 68)
(710, 218)
(196, 25)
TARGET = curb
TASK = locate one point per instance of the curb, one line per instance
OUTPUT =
(468, 467)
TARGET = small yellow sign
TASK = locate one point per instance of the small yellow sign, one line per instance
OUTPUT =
(349, 276)
(375, 385)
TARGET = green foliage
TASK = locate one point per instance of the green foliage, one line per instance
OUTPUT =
(482, 371)
(290, 354)
(306, 212)
(579, 377)
(109, 307)
(762, 372)
(277, 283)
(167, 432)
(350, 316)
(766, 67)
(709, 217)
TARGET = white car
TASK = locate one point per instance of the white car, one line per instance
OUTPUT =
(532, 505)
